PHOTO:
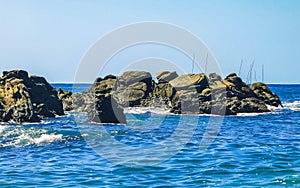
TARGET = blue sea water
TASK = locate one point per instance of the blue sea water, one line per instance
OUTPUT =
(156, 150)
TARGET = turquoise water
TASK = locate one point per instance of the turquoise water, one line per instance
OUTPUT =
(249, 151)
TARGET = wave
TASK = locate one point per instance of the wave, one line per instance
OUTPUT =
(294, 106)
(144, 110)
(19, 136)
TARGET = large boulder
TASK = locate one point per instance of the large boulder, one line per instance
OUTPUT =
(131, 77)
(185, 102)
(16, 103)
(106, 110)
(98, 102)
(132, 87)
(196, 82)
(132, 95)
(103, 86)
(27, 99)
(164, 91)
(238, 87)
(265, 94)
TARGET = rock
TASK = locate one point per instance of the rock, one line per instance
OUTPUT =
(27, 99)
(186, 102)
(132, 88)
(166, 76)
(214, 78)
(238, 87)
(99, 102)
(44, 97)
(252, 105)
(265, 94)
(66, 98)
(164, 91)
(131, 77)
(16, 103)
(132, 95)
(189, 82)
(185, 94)
(106, 110)
(102, 86)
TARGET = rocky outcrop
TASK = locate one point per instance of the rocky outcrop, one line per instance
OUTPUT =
(25, 98)
(264, 93)
(184, 94)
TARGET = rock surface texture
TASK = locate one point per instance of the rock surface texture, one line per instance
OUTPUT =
(25, 98)
(180, 94)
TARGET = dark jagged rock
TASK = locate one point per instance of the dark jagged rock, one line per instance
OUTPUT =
(106, 110)
(27, 99)
(265, 94)
(98, 102)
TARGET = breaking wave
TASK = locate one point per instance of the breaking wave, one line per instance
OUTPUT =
(19, 136)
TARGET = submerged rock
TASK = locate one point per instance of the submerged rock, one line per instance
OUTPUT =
(26, 98)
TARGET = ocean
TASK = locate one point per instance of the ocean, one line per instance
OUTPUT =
(157, 149)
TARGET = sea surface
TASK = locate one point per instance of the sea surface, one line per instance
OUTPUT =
(156, 149)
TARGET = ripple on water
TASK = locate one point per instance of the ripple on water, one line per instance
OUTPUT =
(250, 151)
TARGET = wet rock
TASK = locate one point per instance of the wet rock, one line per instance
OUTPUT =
(185, 94)
(265, 94)
(27, 99)
(66, 98)
(107, 110)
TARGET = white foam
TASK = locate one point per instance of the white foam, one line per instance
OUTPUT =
(18, 136)
(294, 106)
(144, 110)
(2, 128)
(47, 138)
(251, 114)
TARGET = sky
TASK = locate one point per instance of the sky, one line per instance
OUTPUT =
(51, 37)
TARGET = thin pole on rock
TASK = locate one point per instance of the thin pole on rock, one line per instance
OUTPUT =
(240, 70)
(249, 76)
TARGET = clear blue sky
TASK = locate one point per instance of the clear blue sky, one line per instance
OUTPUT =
(50, 37)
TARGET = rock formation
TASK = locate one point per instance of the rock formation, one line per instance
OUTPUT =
(26, 98)
(184, 94)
